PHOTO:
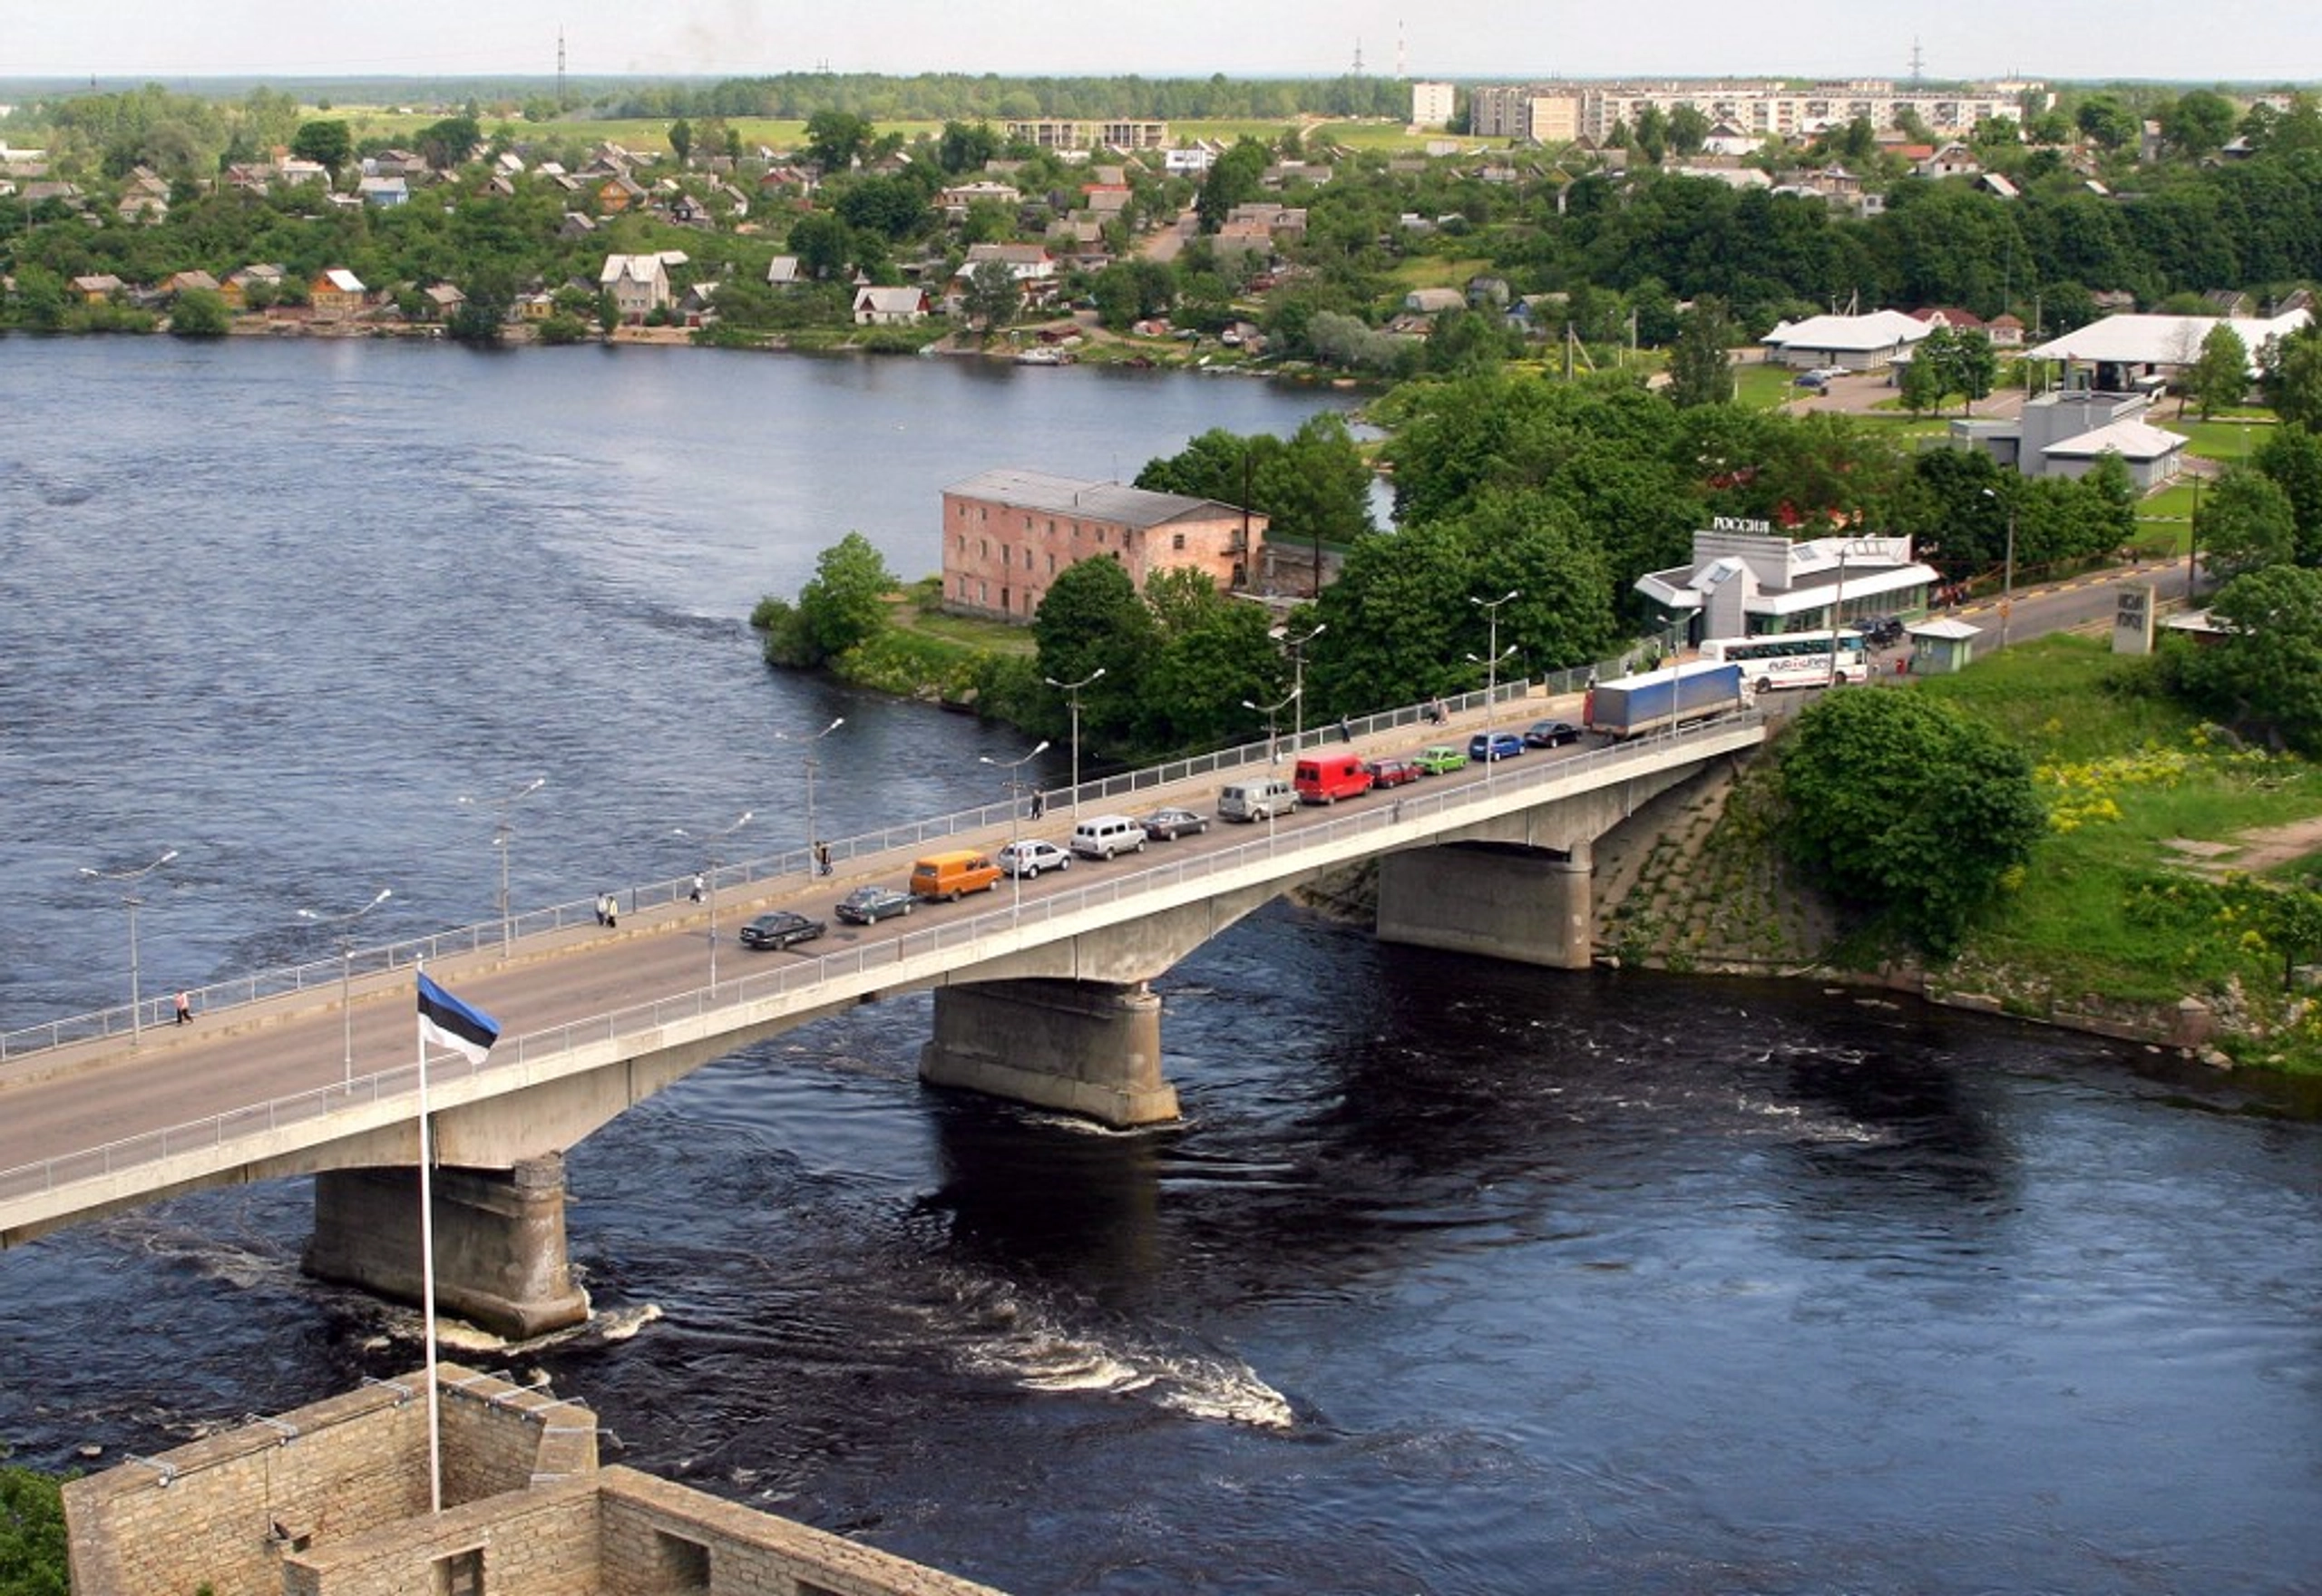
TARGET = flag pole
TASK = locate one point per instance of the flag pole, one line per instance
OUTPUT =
(427, 1271)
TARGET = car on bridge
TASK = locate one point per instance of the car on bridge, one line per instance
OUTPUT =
(1440, 760)
(1392, 772)
(1166, 826)
(781, 928)
(1032, 855)
(1550, 733)
(1493, 746)
(869, 905)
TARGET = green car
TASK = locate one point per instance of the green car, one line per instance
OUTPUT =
(1440, 760)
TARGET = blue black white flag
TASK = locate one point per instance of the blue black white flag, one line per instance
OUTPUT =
(444, 1019)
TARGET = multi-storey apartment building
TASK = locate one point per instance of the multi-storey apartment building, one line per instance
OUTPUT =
(1553, 112)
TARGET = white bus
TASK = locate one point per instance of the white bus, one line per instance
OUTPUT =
(1791, 659)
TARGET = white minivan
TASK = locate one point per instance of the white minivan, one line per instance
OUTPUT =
(1260, 798)
(1101, 836)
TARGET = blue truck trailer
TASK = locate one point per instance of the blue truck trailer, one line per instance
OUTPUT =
(1656, 700)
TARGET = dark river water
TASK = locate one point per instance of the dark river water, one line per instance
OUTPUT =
(1457, 1277)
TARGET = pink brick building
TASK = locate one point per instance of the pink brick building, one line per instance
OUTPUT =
(1006, 533)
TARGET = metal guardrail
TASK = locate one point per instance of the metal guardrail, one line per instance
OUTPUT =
(807, 973)
(286, 981)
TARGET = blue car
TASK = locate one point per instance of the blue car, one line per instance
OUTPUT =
(1486, 746)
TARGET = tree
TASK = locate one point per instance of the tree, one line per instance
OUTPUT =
(2222, 375)
(1091, 620)
(1701, 363)
(1232, 179)
(2107, 122)
(1213, 655)
(449, 142)
(34, 1558)
(2198, 124)
(1689, 130)
(327, 144)
(200, 312)
(2291, 375)
(993, 297)
(2245, 523)
(846, 600)
(1922, 382)
(823, 244)
(2266, 670)
(1903, 804)
(681, 140)
(965, 147)
(835, 139)
(2291, 457)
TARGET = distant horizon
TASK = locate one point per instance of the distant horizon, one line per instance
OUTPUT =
(2236, 42)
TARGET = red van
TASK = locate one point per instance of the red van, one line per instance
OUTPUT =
(1328, 777)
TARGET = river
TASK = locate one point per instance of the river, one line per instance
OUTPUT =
(1457, 1277)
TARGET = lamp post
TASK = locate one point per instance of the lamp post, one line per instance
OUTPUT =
(1274, 756)
(1491, 684)
(346, 923)
(131, 901)
(1838, 610)
(1297, 647)
(713, 838)
(501, 834)
(1015, 791)
(1072, 691)
(813, 846)
(2007, 578)
(1491, 606)
(2193, 540)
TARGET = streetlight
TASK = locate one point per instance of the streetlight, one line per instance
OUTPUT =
(1270, 711)
(1014, 791)
(2007, 580)
(501, 834)
(1491, 685)
(814, 864)
(1072, 690)
(346, 964)
(713, 838)
(1297, 647)
(1491, 606)
(131, 901)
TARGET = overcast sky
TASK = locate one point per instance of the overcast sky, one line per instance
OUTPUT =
(2215, 41)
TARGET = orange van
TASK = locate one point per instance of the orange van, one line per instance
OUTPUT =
(1325, 778)
(948, 875)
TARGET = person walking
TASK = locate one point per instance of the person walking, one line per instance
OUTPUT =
(698, 885)
(822, 858)
(1346, 730)
(1039, 803)
(185, 1008)
(609, 911)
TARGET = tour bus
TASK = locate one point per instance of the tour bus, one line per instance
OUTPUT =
(1790, 659)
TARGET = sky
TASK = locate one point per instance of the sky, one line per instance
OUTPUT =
(2223, 41)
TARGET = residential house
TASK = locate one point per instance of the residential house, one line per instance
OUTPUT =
(337, 292)
(291, 171)
(783, 272)
(577, 224)
(1007, 532)
(235, 288)
(385, 192)
(1033, 266)
(954, 201)
(439, 300)
(1433, 301)
(1954, 160)
(877, 305)
(187, 281)
(618, 193)
(639, 283)
(2005, 331)
(99, 289)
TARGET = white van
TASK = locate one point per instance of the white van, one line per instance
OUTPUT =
(1101, 836)
(1260, 798)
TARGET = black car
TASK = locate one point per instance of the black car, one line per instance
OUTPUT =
(781, 928)
(867, 905)
(1880, 631)
(1164, 825)
(1550, 733)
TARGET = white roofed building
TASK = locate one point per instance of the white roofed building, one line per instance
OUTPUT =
(1747, 580)
(1849, 343)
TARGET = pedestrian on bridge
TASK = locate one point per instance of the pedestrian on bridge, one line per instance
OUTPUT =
(698, 885)
(608, 909)
(823, 859)
(185, 1008)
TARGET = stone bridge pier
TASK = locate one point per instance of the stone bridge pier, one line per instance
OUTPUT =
(1500, 899)
(1089, 1048)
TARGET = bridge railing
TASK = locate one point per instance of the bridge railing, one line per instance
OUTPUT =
(805, 973)
(322, 974)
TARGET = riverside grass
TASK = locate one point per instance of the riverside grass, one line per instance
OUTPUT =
(2114, 907)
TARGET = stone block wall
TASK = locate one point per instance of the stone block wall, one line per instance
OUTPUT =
(534, 1543)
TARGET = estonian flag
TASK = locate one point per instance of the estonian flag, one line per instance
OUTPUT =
(444, 1018)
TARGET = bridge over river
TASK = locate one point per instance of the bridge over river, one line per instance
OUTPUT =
(1042, 995)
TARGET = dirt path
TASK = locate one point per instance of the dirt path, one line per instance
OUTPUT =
(2252, 852)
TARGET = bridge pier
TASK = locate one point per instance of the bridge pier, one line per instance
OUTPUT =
(1085, 1047)
(1526, 904)
(500, 1257)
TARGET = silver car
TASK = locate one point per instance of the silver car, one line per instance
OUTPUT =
(1031, 856)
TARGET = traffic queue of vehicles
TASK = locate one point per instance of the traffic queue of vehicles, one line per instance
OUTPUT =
(1319, 778)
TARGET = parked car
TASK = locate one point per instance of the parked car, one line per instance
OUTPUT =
(1166, 826)
(1032, 855)
(1880, 631)
(1392, 772)
(1811, 379)
(1101, 836)
(1550, 733)
(868, 905)
(781, 928)
(1440, 760)
(1491, 746)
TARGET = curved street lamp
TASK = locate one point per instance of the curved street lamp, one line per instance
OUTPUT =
(1491, 684)
(132, 902)
(2007, 579)
(1270, 711)
(1014, 791)
(346, 964)
(815, 863)
(710, 892)
(501, 834)
(1072, 691)
(1297, 647)
(1491, 606)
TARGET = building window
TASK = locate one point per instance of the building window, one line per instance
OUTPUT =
(1177, 541)
(679, 1563)
(1051, 565)
(460, 1574)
